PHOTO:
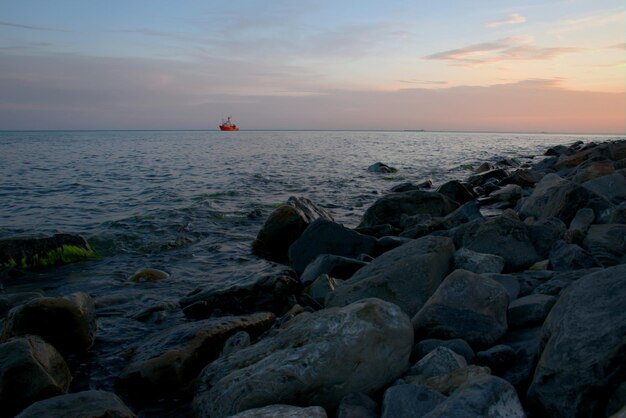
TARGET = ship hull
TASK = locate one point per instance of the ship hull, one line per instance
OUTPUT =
(228, 128)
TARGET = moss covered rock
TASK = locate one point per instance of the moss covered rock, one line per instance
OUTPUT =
(44, 252)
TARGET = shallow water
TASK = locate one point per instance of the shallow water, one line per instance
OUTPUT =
(190, 203)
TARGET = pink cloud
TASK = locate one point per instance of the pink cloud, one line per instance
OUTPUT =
(513, 19)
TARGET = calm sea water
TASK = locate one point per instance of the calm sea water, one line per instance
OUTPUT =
(191, 202)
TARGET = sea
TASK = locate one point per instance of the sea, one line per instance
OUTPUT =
(191, 202)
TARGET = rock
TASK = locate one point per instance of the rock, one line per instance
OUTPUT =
(44, 252)
(486, 397)
(522, 177)
(326, 237)
(592, 170)
(237, 341)
(404, 187)
(509, 193)
(477, 262)
(377, 231)
(606, 243)
(468, 212)
(561, 280)
(509, 282)
(148, 275)
(545, 233)
(282, 411)
(466, 305)
(505, 236)
(357, 405)
(525, 343)
(389, 209)
(448, 383)
(87, 404)
(320, 288)
(333, 265)
(583, 219)
(457, 191)
(529, 280)
(167, 361)
(529, 310)
(480, 179)
(272, 293)
(439, 361)
(406, 276)
(498, 358)
(381, 168)
(557, 197)
(583, 357)
(11, 300)
(616, 401)
(559, 150)
(565, 257)
(612, 187)
(30, 370)
(459, 346)
(285, 225)
(484, 167)
(68, 323)
(409, 401)
(316, 360)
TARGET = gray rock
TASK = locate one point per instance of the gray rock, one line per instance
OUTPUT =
(583, 219)
(44, 252)
(466, 305)
(68, 323)
(237, 341)
(459, 346)
(320, 288)
(466, 213)
(168, 360)
(91, 403)
(439, 361)
(486, 397)
(617, 401)
(522, 177)
(529, 310)
(409, 401)
(326, 237)
(282, 411)
(333, 265)
(478, 262)
(357, 405)
(612, 187)
(404, 187)
(607, 243)
(566, 257)
(508, 281)
(495, 174)
(505, 236)
(406, 276)
(498, 358)
(525, 342)
(592, 169)
(544, 233)
(510, 193)
(285, 225)
(30, 370)
(390, 208)
(561, 280)
(381, 168)
(450, 382)
(457, 191)
(316, 360)
(583, 358)
(148, 274)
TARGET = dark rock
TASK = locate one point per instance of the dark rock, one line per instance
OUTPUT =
(466, 305)
(11, 300)
(381, 168)
(508, 281)
(544, 233)
(459, 346)
(320, 288)
(44, 252)
(468, 212)
(385, 244)
(591, 170)
(606, 243)
(389, 209)
(282, 411)
(167, 361)
(457, 191)
(496, 174)
(477, 262)
(357, 405)
(377, 231)
(559, 150)
(237, 341)
(30, 370)
(529, 310)
(333, 265)
(316, 360)
(274, 293)
(510, 193)
(565, 257)
(583, 359)
(439, 361)
(285, 225)
(148, 275)
(404, 187)
(409, 401)
(497, 358)
(617, 401)
(612, 187)
(484, 167)
(68, 323)
(88, 404)
(521, 177)
(525, 342)
(560, 281)
(529, 280)
(406, 276)
(448, 383)
(326, 237)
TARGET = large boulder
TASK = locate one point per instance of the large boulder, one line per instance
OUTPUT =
(87, 404)
(282, 411)
(357, 405)
(457, 191)
(466, 305)
(390, 209)
(30, 370)
(285, 225)
(406, 276)
(316, 360)
(478, 262)
(612, 187)
(607, 243)
(44, 252)
(565, 257)
(582, 361)
(68, 323)
(544, 233)
(167, 361)
(409, 401)
(327, 237)
(335, 266)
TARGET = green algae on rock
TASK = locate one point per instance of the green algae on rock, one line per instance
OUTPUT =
(44, 252)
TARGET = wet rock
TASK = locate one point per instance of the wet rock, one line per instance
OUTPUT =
(457, 191)
(333, 265)
(477, 262)
(509, 193)
(282, 411)
(439, 361)
(497, 358)
(44, 252)
(450, 382)
(11, 300)
(409, 401)
(91, 403)
(404, 187)
(326, 237)
(612, 187)
(505, 236)
(583, 359)
(273, 293)
(68, 323)
(167, 361)
(406, 276)
(495, 174)
(320, 288)
(389, 209)
(545, 233)
(466, 305)
(357, 405)
(606, 243)
(148, 275)
(30, 370)
(316, 360)
(488, 396)
(285, 225)
(459, 346)
(381, 168)
(529, 310)
(565, 257)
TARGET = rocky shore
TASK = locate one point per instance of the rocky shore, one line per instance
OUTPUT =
(498, 295)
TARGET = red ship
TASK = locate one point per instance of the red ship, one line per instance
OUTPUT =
(228, 125)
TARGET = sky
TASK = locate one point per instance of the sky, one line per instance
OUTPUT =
(473, 65)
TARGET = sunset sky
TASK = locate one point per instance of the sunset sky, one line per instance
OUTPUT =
(487, 65)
